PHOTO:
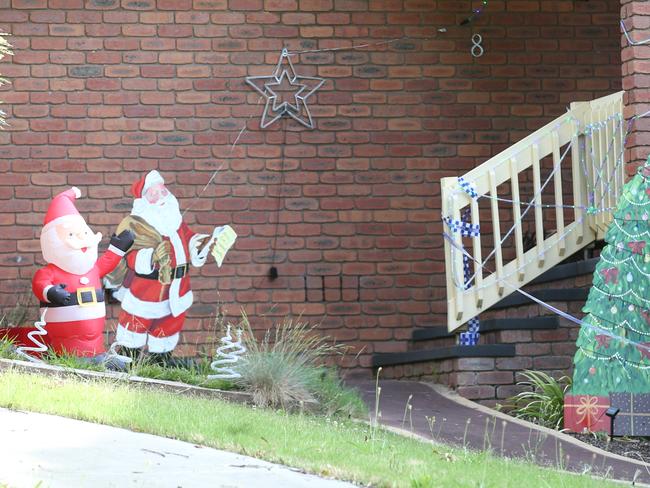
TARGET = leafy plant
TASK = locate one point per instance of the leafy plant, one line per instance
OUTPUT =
(543, 403)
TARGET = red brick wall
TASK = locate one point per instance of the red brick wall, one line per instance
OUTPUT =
(636, 68)
(104, 90)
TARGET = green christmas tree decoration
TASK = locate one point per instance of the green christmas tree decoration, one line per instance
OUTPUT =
(612, 361)
(613, 355)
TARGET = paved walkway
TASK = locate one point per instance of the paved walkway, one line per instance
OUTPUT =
(464, 423)
(61, 452)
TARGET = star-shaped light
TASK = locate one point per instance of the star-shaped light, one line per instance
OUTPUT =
(286, 93)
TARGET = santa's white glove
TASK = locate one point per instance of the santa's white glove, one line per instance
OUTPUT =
(197, 257)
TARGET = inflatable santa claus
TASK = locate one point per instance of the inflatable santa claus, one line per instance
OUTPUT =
(153, 281)
(69, 287)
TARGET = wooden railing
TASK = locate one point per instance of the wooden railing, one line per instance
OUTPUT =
(583, 152)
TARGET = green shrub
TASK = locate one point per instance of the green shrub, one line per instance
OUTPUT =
(543, 403)
(286, 368)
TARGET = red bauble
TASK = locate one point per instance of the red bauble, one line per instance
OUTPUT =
(592, 371)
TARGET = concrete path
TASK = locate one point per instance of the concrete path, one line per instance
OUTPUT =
(464, 423)
(61, 452)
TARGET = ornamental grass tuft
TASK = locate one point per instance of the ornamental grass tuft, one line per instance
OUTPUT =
(286, 368)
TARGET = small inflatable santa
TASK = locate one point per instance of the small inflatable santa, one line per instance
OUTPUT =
(69, 287)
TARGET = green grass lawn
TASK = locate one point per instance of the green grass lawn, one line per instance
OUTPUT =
(335, 448)
(329, 391)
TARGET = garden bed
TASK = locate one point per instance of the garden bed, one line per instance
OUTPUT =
(637, 448)
(285, 370)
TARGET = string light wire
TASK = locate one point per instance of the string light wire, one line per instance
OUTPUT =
(629, 39)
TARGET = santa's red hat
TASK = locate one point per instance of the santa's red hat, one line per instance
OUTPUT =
(141, 186)
(62, 205)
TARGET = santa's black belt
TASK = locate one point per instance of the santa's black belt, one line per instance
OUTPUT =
(177, 272)
(82, 296)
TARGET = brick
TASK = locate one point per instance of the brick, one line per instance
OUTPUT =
(138, 87)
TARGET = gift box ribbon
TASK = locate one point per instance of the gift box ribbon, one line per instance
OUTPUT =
(587, 409)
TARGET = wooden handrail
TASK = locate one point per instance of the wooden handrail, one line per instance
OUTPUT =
(590, 137)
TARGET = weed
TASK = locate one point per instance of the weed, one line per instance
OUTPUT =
(192, 375)
(7, 349)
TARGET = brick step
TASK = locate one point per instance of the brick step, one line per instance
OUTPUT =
(438, 353)
(438, 336)
(516, 334)
(490, 325)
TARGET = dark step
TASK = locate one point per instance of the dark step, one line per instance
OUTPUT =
(490, 325)
(568, 270)
(482, 351)
(547, 295)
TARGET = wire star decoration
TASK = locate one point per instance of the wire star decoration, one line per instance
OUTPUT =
(286, 93)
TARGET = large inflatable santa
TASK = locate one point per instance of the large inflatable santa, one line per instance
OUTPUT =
(153, 280)
(69, 288)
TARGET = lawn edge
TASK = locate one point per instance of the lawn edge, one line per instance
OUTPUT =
(455, 397)
(137, 381)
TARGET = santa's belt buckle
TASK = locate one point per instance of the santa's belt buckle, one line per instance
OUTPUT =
(181, 271)
(82, 301)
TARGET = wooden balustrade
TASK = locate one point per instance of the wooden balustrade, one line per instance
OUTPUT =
(586, 146)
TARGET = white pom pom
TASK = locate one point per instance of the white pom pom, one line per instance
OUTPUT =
(77, 191)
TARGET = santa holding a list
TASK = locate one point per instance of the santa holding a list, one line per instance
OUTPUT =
(153, 282)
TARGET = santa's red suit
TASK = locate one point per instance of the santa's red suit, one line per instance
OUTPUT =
(153, 312)
(69, 287)
(78, 327)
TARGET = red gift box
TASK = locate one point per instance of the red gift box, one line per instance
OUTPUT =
(586, 413)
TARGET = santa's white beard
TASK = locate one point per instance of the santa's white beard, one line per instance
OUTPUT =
(73, 261)
(166, 219)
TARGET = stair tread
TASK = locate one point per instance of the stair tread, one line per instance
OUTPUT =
(491, 325)
(567, 270)
(545, 295)
(448, 352)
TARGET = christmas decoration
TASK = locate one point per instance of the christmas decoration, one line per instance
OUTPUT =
(286, 93)
(629, 39)
(69, 287)
(36, 337)
(223, 366)
(152, 282)
(634, 417)
(586, 413)
(612, 356)
(469, 338)
(475, 13)
(223, 238)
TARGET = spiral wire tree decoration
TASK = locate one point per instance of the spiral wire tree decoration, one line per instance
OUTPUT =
(36, 336)
(227, 358)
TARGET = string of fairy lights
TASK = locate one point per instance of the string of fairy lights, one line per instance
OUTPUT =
(599, 328)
